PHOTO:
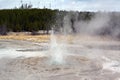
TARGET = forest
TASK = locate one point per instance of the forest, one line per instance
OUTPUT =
(21, 20)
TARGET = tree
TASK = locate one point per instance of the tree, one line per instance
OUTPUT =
(3, 30)
(26, 6)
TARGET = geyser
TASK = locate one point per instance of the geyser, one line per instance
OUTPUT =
(57, 51)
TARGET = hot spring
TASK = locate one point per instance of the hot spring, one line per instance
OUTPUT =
(78, 51)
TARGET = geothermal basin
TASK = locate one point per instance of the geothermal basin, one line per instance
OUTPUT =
(79, 59)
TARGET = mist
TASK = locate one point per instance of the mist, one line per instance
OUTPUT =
(100, 24)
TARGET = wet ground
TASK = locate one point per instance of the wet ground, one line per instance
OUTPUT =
(84, 60)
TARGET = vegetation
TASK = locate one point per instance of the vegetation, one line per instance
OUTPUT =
(32, 20)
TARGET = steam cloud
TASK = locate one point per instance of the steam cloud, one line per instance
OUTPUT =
(102, 23)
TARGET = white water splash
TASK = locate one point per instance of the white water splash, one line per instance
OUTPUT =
(56, 50)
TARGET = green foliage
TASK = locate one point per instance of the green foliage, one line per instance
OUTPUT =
(27, 19)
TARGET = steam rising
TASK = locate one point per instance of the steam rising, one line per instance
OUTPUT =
(104, 24)
(93, 26)
(57, 50)
(101, 24)
(83, 67)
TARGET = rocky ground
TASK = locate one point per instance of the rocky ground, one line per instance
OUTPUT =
(85, 60)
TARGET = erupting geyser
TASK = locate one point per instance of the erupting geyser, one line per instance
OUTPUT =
(56, 50)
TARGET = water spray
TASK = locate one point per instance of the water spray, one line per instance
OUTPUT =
(56, 50)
